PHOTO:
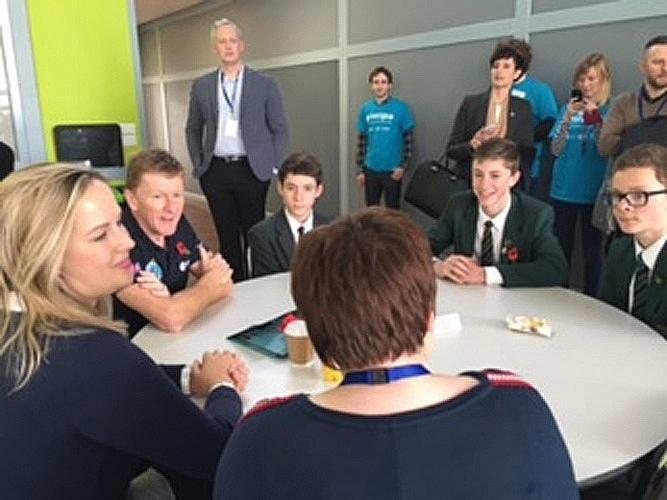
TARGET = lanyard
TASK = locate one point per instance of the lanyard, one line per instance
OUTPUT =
(384, 375)
(640, 104)
(230, 102)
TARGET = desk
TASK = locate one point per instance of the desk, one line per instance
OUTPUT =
(603, 373)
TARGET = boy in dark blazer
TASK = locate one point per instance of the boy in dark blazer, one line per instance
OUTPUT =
(273, 240)
(635, 275)
(491, 235)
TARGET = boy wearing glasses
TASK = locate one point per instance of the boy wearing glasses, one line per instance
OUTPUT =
(636, 269)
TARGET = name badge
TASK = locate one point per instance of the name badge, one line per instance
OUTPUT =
(231, 128)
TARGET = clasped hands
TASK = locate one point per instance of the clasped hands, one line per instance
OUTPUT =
(216, 368)
(210, 266)
(460, 269)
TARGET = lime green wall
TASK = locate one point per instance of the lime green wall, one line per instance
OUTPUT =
(84, 64)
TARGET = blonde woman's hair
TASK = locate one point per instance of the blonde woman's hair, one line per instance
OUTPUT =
(36, 219)
(601, 64)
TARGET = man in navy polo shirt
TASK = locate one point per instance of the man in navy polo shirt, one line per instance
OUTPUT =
(166, 250)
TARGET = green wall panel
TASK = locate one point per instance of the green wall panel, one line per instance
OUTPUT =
(84, 64)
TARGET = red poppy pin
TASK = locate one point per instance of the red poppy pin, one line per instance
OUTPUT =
(512, 253)
(182, 250)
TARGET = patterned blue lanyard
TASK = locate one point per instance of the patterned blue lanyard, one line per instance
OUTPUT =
(230, 102)
(384, 375)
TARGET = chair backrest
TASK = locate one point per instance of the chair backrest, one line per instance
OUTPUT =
(199, 215)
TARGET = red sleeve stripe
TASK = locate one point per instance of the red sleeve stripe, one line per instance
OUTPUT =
(266, 404)
(506, 379)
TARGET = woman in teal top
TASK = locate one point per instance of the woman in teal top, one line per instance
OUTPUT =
(579, 169)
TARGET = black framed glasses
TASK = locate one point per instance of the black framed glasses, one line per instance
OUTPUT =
(633, 198)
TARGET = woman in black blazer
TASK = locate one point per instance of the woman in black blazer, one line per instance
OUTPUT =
(494, 113)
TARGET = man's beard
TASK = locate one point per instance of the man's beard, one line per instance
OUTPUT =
(655, 85)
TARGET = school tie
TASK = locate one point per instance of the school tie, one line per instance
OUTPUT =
(487, 245)
(300, 230)
(640, 288)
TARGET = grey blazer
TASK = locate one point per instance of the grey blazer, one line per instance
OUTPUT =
(272, 243)
(262, 122)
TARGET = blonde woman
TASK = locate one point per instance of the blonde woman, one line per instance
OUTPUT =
(83, 410)
(579, 169)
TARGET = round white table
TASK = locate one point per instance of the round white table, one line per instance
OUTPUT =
(603, 373)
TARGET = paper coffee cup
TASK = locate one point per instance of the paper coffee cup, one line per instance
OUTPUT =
(299, 347)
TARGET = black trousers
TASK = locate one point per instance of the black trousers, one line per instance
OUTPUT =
(237, 201)
(378, 182)
(591, 239)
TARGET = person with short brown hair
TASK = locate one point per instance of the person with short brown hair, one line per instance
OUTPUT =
(493, 234)
(273, 240)
(635, 271)
(385, 127)
(641, 116)
(392, 429)
(495, 113)
(167, 250)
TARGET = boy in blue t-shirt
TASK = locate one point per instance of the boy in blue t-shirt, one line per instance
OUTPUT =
(384, 150)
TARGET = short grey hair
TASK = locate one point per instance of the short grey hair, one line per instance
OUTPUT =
(224, 22)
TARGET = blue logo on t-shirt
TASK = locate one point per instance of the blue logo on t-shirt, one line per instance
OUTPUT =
(154, 267)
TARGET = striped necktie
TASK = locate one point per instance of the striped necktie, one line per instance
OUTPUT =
(640, 288)
(487, 245)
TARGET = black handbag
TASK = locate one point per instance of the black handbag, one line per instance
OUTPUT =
(433, 184)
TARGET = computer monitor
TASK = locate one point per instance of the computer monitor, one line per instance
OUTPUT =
(100, 144)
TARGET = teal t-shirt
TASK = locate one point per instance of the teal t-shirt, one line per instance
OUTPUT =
(384, 125)
(543, 104)
(579, 169)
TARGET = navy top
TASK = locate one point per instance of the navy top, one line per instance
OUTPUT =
(491, 442)
(170, 264)
(97, 412)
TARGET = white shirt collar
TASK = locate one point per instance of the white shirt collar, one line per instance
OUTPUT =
(499, 220)
(294, 224)
(650, 254)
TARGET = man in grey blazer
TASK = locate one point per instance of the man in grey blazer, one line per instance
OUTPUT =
(272, 241)
(236, 135)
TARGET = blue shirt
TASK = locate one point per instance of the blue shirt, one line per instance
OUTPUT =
(579, 169)
(384, 125)
(544, 106)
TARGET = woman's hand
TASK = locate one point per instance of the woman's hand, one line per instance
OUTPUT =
(483, 134)
(573, 107)
(217, 368)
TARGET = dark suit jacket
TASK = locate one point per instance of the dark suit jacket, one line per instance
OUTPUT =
(272, 243)
(619, 268)
(528, 229)
(471, 116)
(262, 123)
